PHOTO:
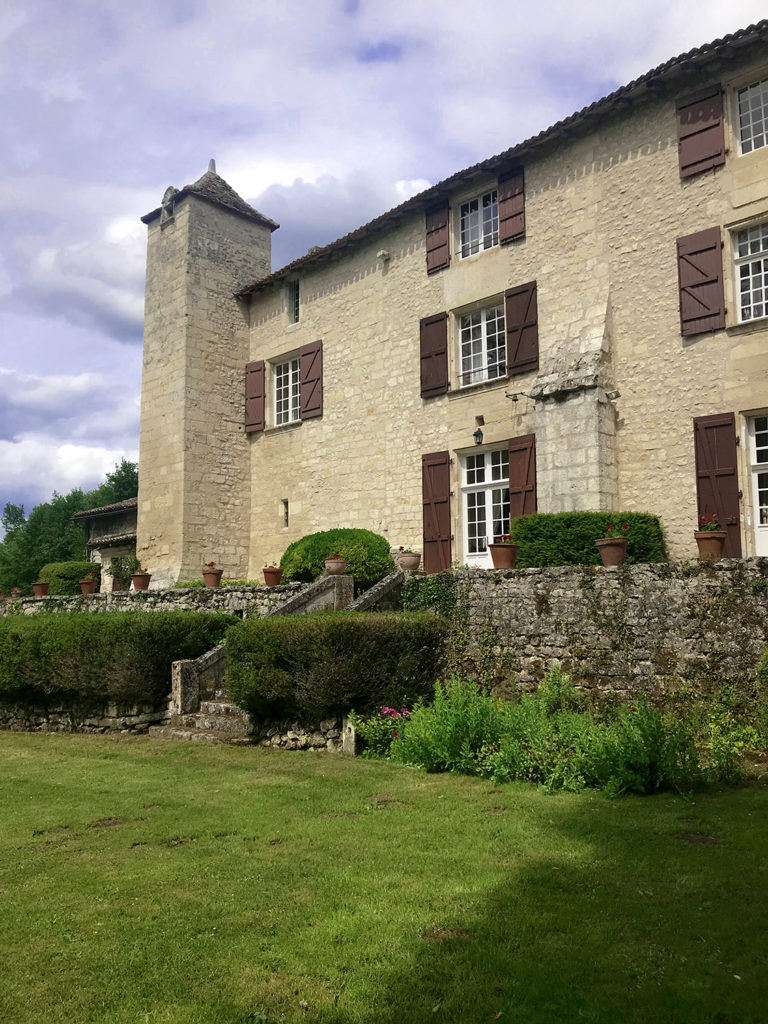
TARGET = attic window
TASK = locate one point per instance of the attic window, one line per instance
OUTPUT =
(293, 302)
(479, 223)
(753, 116)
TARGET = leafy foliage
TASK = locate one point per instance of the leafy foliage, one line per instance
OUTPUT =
(89, 659)
(568, 538)
(367, 555)
(48, 534)
(324, 664)
(65, 577)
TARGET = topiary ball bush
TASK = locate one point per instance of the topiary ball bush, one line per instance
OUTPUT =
(65, 577)
(367, 555)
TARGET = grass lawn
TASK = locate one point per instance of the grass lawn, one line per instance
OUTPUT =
(148, 881)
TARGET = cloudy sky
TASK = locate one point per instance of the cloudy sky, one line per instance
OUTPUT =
(321, 113)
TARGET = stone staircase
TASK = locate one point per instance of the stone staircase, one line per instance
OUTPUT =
(217, 721)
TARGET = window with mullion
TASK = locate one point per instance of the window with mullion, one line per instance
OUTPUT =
(486, 500)
(286, 377)
(479, 223)
(753, 116)
(752, 270)
(483, 345)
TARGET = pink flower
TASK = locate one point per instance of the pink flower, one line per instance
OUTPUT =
(394, 734)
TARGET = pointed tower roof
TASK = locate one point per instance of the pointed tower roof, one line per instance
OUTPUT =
(213, 189)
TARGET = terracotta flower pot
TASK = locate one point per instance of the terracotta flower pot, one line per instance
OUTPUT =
(140, 580)
(504, 555)
(335, 566)
(711, 544)
(87, 586)
(272, 577)
(212, 577)
(613, 550)
(409, 560)
(41, 589)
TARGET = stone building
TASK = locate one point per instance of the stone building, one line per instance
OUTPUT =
(576, 323)
(111, 534)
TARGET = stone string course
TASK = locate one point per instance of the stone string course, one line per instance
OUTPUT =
(632, 629)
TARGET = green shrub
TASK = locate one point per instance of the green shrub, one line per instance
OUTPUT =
(321, 665)
(568, 538)
(367, 554)
(87, 659)
(65, 577)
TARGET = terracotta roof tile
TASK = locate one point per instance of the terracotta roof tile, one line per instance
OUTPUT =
(105, 510)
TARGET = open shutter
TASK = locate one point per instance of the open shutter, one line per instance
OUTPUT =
(433, 344)
(522, 322)
(700, 133)
(700, 277)
(717, 481)
(254, 396)
(438, 244)
(436, 497)
(511, 206)
(522, 475)
(311, 380)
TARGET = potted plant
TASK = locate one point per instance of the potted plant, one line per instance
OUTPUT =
(710, 538)
(336, 565)
(88, 584)
(211, 575)
(272, 574)
(140, 579)
(40, 588)
(407, 558)
(613, 547)
(504, 552)
(15, 592)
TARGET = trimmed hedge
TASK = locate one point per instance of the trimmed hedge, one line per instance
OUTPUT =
(87, 660)
(65, 577)
(322, 665)
(367, 555)
(568, 538)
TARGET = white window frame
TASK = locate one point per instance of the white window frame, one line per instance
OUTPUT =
(476, 230)
(475, 328)
(751, 237)
(494, 478)
(758, 450)
(286, 396)
(742, 121)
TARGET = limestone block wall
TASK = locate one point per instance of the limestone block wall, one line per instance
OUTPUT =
(194, 466)
(603, 213)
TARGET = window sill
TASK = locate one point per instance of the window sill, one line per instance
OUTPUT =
(294, 325)
(474, 255)
(283, 427)
(748, 326)
(483, 385)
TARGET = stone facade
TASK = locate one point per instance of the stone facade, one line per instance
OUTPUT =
(111, 533)
(604, 206)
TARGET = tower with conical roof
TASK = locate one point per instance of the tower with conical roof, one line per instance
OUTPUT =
(204, 243)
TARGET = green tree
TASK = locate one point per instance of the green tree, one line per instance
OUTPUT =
(12, 518)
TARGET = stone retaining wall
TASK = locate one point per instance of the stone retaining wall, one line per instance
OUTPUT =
(325, 735)
(635, 628)
(111, 718)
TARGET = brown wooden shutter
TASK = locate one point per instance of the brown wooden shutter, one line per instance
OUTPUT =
(254, 396)
(438, 242)
(700, 277)
(717, 481)
(311, 380)
(522, 475)
(436, 495)
(522, 323)
(434, 355)
(700, 132)
(511, 206)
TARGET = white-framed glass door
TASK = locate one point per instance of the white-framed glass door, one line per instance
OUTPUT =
(485, 502)
(758, 460)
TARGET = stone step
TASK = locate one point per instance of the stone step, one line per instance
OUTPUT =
(220, 707)
(174, 732)
(233, 724)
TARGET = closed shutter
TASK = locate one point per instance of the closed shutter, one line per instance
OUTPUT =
(511, 206)
(436, 497)
(311, 380)
(700, 133)
(522, 322)
(717, 481)
(700, 277)
(433, 346)
(438, 243)
(254, 396)
(522, 475)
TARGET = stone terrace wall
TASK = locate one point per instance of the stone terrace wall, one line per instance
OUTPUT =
(247, 601)
(635, 628)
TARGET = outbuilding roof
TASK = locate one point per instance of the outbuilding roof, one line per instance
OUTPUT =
(106, 510)
(654, 81)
